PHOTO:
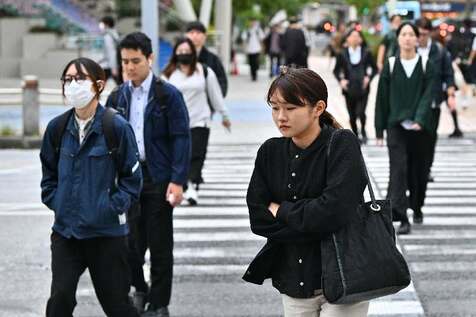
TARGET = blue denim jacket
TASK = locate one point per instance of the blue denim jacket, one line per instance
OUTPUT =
(89, 194)
(167, 138)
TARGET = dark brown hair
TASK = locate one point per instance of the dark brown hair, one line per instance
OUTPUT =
(424, 23)
(301, 87)
(93, 71)
(413, 26)
(172, 65)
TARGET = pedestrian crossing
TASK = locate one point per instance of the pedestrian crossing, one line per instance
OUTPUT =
(214, 244)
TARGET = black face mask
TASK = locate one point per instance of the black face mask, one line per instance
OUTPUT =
(185, 59)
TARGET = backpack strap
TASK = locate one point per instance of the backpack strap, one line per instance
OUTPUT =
(161, 95)
(205, 74)
(112, 141)
(424, 62)
(391, 63)
(114, 97)
(59, 130)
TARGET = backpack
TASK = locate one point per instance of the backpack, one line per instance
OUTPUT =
(110, 136)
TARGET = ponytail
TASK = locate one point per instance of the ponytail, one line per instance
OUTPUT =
(328, 119)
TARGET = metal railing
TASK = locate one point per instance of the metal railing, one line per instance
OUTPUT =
(48, 96)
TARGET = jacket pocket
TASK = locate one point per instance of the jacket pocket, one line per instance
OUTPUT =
(107, 215)
(96, 202)
(100, 166)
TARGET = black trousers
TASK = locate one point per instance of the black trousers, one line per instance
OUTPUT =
(200, 136)
(435, 113)
(106, 260)
(253, 60)
(275, 62)
(152, 229)
(356, 108)
(409, 153)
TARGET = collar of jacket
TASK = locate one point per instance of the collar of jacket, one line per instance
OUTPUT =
(96, 125)
(127, 95)
(321, 140)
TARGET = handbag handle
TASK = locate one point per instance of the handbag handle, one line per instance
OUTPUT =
(374, 205)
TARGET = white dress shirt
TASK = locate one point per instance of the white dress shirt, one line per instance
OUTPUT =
(139, 98)
(425, 51)
(355, 55)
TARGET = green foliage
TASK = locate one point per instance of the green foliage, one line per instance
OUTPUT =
(128, 8)
(373, 41)
(6, 131)
(269, 7)
(244, 9)
(45, 29)
(365, 6)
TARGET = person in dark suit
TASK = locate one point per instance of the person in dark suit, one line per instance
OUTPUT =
(354, 70)
(294, 45)
(197, 33)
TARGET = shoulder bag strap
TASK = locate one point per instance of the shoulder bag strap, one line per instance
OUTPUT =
(374, 204)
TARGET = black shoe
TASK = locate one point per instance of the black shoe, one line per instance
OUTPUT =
(404, 228)
(456, 134)
(418, 217)
(139, 299)
(364, 140)
(153, 311)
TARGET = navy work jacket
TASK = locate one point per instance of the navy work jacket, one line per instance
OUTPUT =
(166, 131)
(89, 194)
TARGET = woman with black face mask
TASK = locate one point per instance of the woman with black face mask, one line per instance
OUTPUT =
(201, 91)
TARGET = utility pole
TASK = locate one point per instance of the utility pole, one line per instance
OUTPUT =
(150, 26)
(205, 12)
(223, 16)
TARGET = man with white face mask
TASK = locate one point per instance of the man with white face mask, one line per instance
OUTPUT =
(90, 188)
(157, 112)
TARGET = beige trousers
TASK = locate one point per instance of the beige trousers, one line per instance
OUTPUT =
(318, 307)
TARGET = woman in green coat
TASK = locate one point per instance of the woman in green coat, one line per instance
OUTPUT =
(403, 110)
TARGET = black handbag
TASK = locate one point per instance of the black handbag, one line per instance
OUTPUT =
(360, 261)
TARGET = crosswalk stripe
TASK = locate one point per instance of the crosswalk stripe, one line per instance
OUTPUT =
(440, 249)
(216, 236)
(210, 223)
(438, 266)
(445, 235)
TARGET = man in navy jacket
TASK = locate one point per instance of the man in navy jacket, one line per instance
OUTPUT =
(159, 118)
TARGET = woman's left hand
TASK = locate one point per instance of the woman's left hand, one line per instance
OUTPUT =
(416, 126)
(273, 208)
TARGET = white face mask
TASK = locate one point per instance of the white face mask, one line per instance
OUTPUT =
(78, 95)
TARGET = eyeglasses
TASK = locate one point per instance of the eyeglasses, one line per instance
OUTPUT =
(79, 78)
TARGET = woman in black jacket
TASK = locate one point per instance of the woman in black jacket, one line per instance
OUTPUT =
(354, 70)
(299, 195)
